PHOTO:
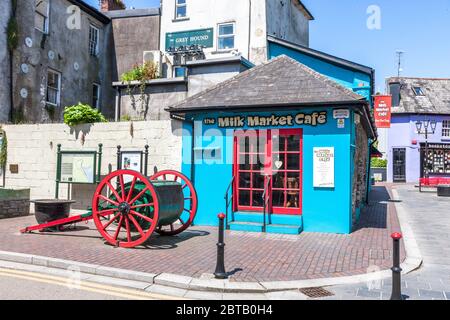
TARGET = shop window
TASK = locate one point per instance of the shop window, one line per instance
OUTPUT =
(41, 15)
(436, 160)
(93, 40)
(446, 128)
(226, 36)
(180, 9)
(53, 88)
(96, 95)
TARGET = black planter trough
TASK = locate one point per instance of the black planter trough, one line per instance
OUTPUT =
(443, 191)
(47, 210)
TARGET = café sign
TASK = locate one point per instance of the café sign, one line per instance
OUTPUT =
(201, 37)
(311, 119)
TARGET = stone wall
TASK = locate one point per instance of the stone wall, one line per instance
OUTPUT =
(360, 171)
(5, 11)
(65, 49)
(33, 148)
(14, 203)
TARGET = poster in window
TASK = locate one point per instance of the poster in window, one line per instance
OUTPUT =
(323, 167)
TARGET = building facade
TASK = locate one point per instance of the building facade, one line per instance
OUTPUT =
(412, 154)
(273, 137)
(63, 58)
(235, 27)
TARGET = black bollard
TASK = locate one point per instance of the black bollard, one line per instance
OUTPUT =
(396, 270)
(220, 266)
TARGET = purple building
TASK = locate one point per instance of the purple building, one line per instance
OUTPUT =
(418, 103)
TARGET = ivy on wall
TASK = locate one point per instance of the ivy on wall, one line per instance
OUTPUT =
(141, 74)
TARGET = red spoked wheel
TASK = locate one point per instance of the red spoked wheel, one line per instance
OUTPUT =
(190, 202)
(125, 208)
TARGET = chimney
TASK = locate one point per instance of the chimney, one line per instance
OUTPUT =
(110, 5)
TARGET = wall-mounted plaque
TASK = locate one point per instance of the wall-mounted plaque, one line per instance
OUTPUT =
(78, 167)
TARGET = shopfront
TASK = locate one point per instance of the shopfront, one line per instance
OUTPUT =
(435, 159)
(291, 156)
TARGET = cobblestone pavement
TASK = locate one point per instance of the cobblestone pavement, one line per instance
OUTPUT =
(249, 256)
(429, 218)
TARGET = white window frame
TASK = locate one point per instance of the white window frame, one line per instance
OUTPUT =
(99, 92)
(219, 36)
(58, 89)
(180, 5)
(446, 129)
(97, 31)
(46, 21)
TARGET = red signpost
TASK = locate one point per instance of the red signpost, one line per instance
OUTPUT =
(382, 111)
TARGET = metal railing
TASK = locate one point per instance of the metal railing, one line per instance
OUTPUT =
(266, 201)
(228, 199)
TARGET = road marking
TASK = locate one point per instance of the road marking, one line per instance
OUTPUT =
(85, 285)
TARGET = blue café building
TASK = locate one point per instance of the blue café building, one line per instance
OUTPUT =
(287, 143)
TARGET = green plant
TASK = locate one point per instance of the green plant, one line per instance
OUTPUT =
(141, 74)
(18, 116)
(378, 163)
(12, 31)
(3, 149)
(125, 117)
(82, 113)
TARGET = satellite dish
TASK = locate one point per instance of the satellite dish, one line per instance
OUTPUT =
(76, 66)
(51, 55)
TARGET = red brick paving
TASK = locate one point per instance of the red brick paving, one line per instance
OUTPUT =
(249, 256)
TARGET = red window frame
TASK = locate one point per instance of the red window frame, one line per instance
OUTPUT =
(268, 169)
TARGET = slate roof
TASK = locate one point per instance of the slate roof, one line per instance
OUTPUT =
(279, 82)
(436, 98)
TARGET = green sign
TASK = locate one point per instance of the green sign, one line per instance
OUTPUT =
(202, 37)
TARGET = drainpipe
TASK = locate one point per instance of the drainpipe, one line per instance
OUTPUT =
(249, 27)
(118, 104)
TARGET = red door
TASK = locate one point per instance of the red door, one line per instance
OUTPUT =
(264, 153)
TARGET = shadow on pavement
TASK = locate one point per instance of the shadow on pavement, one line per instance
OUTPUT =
(375, 214)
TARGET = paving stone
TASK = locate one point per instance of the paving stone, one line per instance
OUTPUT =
(431, 294)
(170, 291)
(366, 293)
(243, 296)
(203, 295)
(249, 257)
(286, 295)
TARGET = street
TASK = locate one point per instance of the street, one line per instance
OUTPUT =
(428, 216)
(25, 285)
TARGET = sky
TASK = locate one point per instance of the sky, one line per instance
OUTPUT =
(419, 28)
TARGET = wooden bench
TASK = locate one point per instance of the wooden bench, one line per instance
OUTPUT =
(432, 182)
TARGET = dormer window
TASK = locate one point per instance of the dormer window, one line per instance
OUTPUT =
(418, 91)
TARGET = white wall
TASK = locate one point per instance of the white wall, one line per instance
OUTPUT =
(204, 14)
(33, 148)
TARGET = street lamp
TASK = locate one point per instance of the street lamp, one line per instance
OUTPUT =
(429, 127)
